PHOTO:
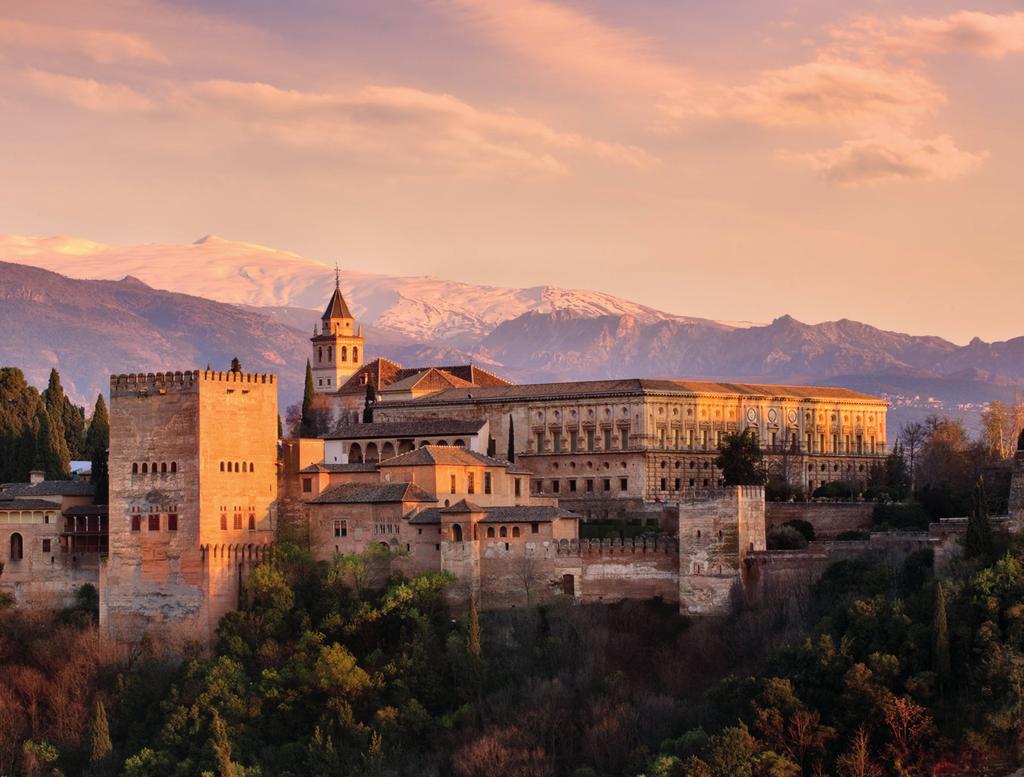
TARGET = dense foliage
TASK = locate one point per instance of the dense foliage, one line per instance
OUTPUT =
(880, 669)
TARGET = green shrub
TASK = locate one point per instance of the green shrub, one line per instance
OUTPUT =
(804, 527)
(785, 538)
(903, 516)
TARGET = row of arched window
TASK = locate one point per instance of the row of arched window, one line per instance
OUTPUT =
(343, 352)
(236, 466)
(503, 531)
(154, 468)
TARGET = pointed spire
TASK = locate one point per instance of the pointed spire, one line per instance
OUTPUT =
(337, 276)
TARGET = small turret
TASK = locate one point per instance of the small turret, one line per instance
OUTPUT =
(338, 347)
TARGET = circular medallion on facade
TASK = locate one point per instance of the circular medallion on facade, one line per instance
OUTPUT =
(792, 416)
(751, 414)
(773, 415)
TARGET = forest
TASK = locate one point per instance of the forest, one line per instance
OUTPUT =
(881, 669)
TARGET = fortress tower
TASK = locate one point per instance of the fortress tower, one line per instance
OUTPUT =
(338, 346)
(193, 486)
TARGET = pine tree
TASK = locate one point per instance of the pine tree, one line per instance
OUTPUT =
(51, 449)
(943, 668)
(18, 404)
(308, 394)
(511, 439)
(97, 441)
(978, 542)
(100, 746)
(236, 365)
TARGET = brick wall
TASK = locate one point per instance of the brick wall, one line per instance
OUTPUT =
(829, 519)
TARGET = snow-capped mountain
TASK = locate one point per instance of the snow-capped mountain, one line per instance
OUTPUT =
(420, 308)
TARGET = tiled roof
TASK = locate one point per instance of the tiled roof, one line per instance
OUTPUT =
(337, 307)
(27, 504)
(86, 510)
(430, 427)
(636, 387)
(365, 493)
(510, 514)
(385, 373)
(448, 455)
(463, 506)
(431, 379)
(314, 468)
(381, 372)
(48, 488)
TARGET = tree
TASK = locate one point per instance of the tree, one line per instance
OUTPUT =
(19, 403)
(100, 746)
(369, 402)
(97, 443)
(740, 459)
(221, 746)
(912, 436)
(978, 542)
(308, 396)
(236, 365)
(511, 455)
(473, 630)
(51, 449)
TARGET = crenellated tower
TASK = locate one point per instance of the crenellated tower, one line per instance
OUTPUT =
(338, 346)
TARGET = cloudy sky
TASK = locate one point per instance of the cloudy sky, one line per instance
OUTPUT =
(736, 160)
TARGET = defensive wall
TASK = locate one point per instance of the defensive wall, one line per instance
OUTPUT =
(829, 519)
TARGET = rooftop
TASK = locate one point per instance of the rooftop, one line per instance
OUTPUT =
(368, 493)
(425, 428)
(637, 387)
(510, 514)
(313, 468)
(47, 488)
(27, 504)
(447, 455)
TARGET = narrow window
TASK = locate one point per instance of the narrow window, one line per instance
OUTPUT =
(145, 468)
(623, 484)
(154, 522)
(490, 531)
(504, 531)
(534, 528)
(252, 467)
(518, 487)
(135, 468)
(540, 442)
(606, 484)
(515, 531)
(307, 485)
(340, 528)
(487, 482)
(572, 486)
(174, 466)
(154, 468)
(451, 480)
(223, 521)
(136, 522)
(163, 468)
(46, 546)
(607, 439)
(590, 486)
(556, 486)
(355, 353)
(236, 466)
(252, 522)
(238, 520)
(172, 522)
(222, 466)
(470, 482)
(17, 547)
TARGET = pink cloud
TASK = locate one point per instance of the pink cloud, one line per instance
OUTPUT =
(88, 94)
(103, 46)
(893, 158)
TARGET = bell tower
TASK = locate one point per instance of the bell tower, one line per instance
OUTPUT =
(338, 345)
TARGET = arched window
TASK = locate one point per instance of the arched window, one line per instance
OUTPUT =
(355, 454)
(441, 442)
(174, 466)
(252, 467)
(504, 531)
(459, 444)
(372, 456)
(236, 466)
(344, 353)
(319, 354)
(17, 547)
(330, 353)
(163, 467)
(222, 466)
(456, 533)
(355, 353)
(515, 531)
(154, 468)
(135, 468)
(490, 531)
(388, 451)
(145, 468)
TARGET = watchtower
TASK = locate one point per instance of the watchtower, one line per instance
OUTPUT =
(338, 346)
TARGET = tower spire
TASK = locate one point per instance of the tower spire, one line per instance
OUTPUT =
(337, 276)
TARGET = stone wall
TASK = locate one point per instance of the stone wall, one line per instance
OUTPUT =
(605, 571)
(829, 519)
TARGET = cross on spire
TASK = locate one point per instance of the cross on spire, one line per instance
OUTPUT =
(337, 276)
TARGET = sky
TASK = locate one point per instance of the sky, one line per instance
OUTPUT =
(732, 160)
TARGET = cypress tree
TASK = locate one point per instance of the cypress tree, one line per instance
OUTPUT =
(97, 441)
(18, 405)
(473, 647)
(221, 746)
(236, 365)
(368, 403)
(51, 449)
(943, 667)
(978, 542)
(305, 427)
(511, 439)
(100, 746)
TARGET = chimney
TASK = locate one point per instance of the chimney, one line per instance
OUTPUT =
(36, 476)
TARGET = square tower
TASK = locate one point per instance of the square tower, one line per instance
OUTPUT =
(193, 491)
(337, 347)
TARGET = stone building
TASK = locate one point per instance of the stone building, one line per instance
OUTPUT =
(606, 448)
(193, 491)
(337, 347)
(51, 539)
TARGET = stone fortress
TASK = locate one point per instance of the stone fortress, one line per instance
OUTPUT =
(458, 471)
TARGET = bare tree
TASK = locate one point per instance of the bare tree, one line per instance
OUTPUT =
(913, 436)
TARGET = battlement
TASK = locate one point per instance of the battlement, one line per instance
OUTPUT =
(163, 382)
(618, 546)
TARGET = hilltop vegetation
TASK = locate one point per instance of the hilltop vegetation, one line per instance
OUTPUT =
(879, 671)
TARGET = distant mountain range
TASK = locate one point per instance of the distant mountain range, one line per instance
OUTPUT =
(226, 298)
